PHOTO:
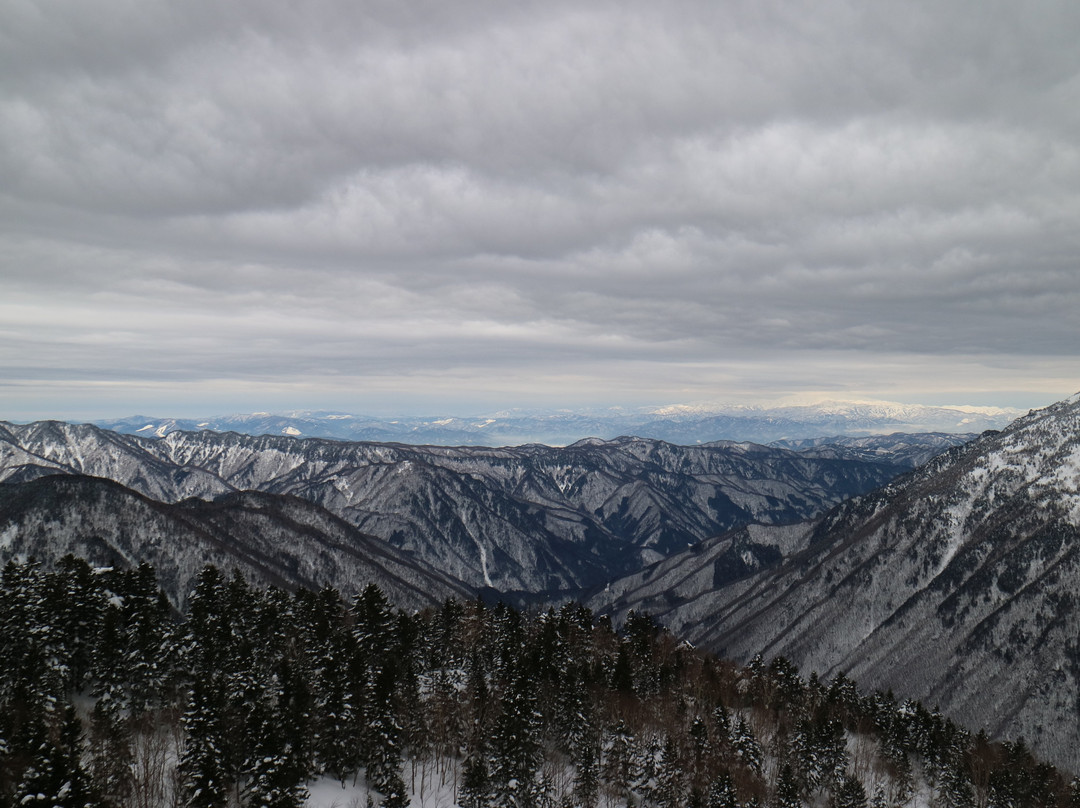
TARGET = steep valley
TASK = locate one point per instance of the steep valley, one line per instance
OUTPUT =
(956, 584)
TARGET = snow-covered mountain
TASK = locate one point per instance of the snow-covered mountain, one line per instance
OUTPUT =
(269, 538)
(530, 518)
(679, 424)
(957, 584)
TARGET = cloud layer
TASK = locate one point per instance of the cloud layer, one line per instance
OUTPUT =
(434, 206)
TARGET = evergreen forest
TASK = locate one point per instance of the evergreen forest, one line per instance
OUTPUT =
(111, 698)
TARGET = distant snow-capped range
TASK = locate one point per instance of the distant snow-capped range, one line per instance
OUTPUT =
(686, 424)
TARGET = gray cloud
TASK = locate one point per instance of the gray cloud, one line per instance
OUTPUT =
(475, 202)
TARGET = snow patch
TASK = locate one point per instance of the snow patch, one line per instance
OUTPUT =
(291, 430)
(7, 538)
(429, 787)
(483, 564)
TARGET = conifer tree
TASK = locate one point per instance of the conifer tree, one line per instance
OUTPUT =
(384, 750)
(110, 752)
(515, 748)
(56, 777)
(276, 774)
(622, 675)
(585, 754)
(645, 765)
(701, 747)
(787, 790)
(618, 761)
(721, 728)
(413, 717)
(819, 753)
(955, 788)
(77, 612)
(475, 782)
(641, 632)
(671, 786)
(146, 623)
(721, 792)
(746, 747)
(329, 650)
(202, 765)
(850, 794)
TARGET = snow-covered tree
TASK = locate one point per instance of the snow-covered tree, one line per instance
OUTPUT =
(850, 794)
(787, 790)
(721, 793)
(746, 747)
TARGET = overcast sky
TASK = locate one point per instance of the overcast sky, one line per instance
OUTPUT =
(433, 207)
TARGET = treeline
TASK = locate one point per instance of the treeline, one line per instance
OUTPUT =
(107, 698)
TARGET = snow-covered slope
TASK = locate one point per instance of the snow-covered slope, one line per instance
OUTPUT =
(271, 539)
(956, 584)
(533, 517)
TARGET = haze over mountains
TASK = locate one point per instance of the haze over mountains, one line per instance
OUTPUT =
(680, 424)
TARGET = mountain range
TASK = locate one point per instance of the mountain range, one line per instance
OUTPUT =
(953, 581)
(679, 424)
(532, 518)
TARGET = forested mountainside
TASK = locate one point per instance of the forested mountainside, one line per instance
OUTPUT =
(956, 584)
(269, 538)
(531, 518)
(255, 696)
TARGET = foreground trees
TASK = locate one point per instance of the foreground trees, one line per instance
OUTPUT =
(108, 698)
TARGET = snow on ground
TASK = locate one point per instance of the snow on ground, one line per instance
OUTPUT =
(432, 787)
(326, 792)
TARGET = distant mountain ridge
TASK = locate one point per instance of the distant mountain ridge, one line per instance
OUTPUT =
(903, 449)
(532, 518)
(956, 584)
(681, 424)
